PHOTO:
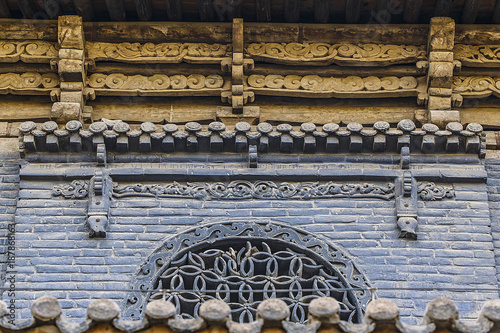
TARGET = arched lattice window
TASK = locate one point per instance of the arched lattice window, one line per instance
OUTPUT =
(244, 263)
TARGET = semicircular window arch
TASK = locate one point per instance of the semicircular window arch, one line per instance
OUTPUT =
(244, 263)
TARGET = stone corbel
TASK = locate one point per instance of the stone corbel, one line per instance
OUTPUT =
(100, 192)
(406, 205)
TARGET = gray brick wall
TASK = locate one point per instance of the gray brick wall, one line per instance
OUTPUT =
(493, 184)
(455, 248)
(9, 186)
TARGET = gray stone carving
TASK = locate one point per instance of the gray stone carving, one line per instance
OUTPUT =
(78, 189)
(240, 190)
(431, 192)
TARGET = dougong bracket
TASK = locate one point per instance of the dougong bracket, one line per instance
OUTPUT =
(100, 191)
(406, 205)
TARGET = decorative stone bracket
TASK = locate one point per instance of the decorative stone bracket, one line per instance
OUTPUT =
(406, 205)
(100, 192)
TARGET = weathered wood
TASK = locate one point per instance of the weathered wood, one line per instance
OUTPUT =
(84, 9)
(4, 10)
(174, 10)
(292, 10)
(352, 11)
(443, 8)
(144, 9)
(206, 10)
(470, 10)
(22, 30)
(27, 8)
(116, 10)
(15, 108)
(263, 10)
(412, 11)
(321, 11)
(477, 34)
(396, 70)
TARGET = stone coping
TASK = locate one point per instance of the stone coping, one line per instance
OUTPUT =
(381, 315)
(121, 137)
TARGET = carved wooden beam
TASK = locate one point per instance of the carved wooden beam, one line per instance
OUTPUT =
(352, 11)
(4, 10)
(321, 11)
(144, 9)
(321, 54)
(263, 10)
(412, 11)
(292, 10)
(85, 9)
(470, 10)
(206, 10)
(174, 10)
(27, 8)
(116, 10)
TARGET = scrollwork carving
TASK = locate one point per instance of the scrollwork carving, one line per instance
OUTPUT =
(155, 84)
(431, 192)
(78, 189)
(36, 51)
(478, 56)
(476, 86)
(351, 86)
(28, 82)
(241, 190)
(341, 54)
(159, 53)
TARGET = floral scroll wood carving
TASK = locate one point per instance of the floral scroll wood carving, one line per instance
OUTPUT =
(478, 56)
(319, 54)
(29, 52)
(158, 53)
(158, 84)
(351, 86)
(241, 190)
(31, 83)
(476, 86)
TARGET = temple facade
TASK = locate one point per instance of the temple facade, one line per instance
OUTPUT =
(251, 174)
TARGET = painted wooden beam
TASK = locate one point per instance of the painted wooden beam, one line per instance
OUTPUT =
(263, 10)
(352, 11)
(85, 9)
(292, 11)
(144, 9)
(412, 11)
(27, 8)
(116, 10)
(4, 9)
(321, 11)
(470, 10)
(174, 10)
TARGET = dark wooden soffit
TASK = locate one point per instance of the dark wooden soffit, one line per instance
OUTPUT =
(291, 11)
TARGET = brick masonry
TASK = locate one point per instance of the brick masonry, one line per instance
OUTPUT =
(456, 245)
